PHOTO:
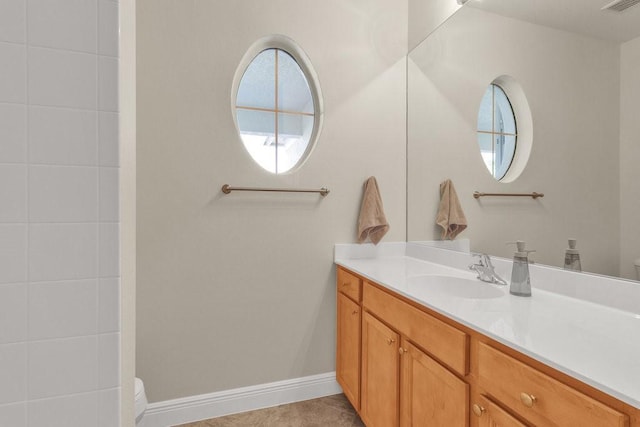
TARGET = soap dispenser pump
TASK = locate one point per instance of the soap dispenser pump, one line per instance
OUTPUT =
(572, 257)
(520, 280)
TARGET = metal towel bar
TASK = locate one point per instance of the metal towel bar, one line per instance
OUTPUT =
(226, 189)
(534, 195)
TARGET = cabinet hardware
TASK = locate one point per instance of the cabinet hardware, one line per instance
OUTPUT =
(390, 341)
(354, 312)
(478, 410)
(527, 400)
(402, 351)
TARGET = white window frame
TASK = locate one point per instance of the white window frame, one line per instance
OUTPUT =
(278, 41)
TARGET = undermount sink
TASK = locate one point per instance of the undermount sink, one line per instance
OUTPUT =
(457, 286)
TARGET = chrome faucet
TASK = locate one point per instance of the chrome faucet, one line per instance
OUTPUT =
(486, 271)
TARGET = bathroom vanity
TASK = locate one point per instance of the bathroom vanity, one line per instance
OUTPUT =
(419, 338)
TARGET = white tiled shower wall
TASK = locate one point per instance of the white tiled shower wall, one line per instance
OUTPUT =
(59, 221)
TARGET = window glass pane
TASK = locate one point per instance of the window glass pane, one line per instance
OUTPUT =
(496, 131)
(293, 90)
(294, 134)
(276, 104)
(257, 130)
(504, 120)
(486, 149)
(257, 87)
(485, 115)
(256, 122)
(505, 147)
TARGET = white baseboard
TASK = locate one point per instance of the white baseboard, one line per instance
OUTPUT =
(205, 406)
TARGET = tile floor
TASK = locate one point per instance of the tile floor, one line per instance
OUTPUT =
(331, 411)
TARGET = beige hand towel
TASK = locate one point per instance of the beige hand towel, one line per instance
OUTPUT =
(450, 215)
(372, 222)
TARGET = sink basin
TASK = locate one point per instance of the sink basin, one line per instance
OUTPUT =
(457, 286)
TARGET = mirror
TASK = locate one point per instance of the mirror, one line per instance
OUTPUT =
(577, 65)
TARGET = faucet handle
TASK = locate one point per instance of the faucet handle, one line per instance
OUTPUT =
(483, 257)
(485, 260)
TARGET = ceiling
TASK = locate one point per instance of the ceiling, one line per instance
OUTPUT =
(579, 16)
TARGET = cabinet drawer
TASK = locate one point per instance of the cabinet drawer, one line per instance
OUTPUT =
(538, 397)
(348, 284)
(492, 415)
(446, 343)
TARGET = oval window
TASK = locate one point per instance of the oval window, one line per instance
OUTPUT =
(277, 105)
(497, 131)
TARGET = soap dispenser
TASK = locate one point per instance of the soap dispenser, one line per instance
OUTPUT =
(520, 280)
(572, 257)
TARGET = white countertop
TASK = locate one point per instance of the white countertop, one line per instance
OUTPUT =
(597, 344)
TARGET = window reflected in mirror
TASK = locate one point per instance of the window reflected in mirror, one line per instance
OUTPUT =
(497, 132)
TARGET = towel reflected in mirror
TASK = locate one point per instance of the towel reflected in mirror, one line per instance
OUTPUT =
(450, 215)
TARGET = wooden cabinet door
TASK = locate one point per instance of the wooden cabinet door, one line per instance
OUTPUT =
(491, 415)
(380, 374)
(430, 395)
(348, 349)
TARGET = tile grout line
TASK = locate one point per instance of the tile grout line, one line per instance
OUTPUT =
(63, 107)
(27, 155)
(58, 49)
(97, 201)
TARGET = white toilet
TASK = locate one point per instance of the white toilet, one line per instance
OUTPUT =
(141, 402)
(637, 264)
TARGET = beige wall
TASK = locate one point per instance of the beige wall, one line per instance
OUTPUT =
(629, 157)
(238, 290)
(425, 16)
(574, 159)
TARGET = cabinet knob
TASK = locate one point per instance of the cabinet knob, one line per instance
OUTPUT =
(478, 410)
(390, 341)
(528, 400)
(354, 312)
(402, 351)
(345, 283)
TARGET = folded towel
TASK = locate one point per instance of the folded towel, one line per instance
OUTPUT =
(372, 222)
(450, 216)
